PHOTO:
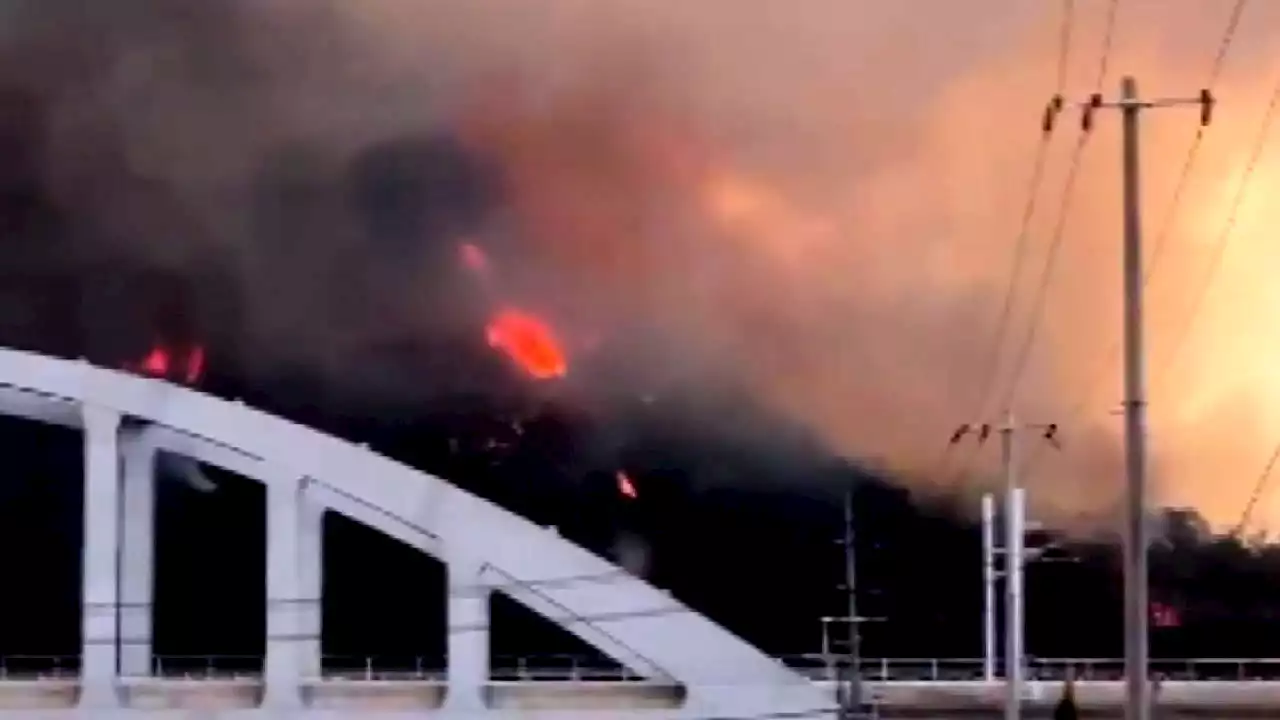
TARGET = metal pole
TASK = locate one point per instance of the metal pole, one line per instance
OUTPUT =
(1017, 581)
(828, 660)
(988, 588)
(1135, 546)
(851, 583)
(1013, 572)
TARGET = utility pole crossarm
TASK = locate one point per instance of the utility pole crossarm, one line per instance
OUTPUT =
(1204, 100)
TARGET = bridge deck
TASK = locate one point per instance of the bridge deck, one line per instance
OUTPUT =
(894, 698)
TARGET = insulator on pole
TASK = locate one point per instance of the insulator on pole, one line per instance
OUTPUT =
(1086, 120)
(1207, 101)
(1051, 110)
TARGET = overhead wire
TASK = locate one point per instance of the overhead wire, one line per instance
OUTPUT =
(1028, 214)
(1259, 485)
(1259, 488)
(1224, 238)
(1064, 43)
(1055, 243)
(1059, 232)
(1168, 218)
(1193, 151)
(1036, 180)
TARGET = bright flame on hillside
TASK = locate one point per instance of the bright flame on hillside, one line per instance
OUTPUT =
(529, 342)
(165, 363)
(626, 488)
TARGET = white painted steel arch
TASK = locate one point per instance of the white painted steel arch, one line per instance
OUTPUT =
(641, 626)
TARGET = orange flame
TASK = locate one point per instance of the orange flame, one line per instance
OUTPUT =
(529, 341)
(156, 362)
(160, 362)
(525, 338)
(625, 487)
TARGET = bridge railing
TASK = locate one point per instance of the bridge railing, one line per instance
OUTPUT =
(573, 668)
(335, 667)
(962, 669)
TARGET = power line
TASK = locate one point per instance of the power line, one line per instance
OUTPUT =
(1113, 8)
(1193, 152)
(1224, 237)
(1233, 24)
(1171, 212)
(1036, 180)
(1059, 232)
(1064, 43)
(1055, 244)
(1113, 352)
(1019, 257)
(1028, 211)
(1259, 487)
(1046, 274)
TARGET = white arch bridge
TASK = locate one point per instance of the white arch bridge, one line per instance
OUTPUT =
(126, 419)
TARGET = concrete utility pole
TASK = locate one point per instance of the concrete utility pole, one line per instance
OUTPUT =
(1138, 705)
(988, 587)
(1014, 535)
(1014, 552)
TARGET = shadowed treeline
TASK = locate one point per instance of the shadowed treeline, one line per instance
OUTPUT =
(761, 561)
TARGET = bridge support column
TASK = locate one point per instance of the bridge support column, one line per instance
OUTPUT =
(311, 579)
(283, 667)
(137, 555)
(100, 568)
(468, 646)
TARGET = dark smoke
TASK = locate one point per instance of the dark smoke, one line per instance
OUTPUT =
(156, 187)
(810, 207)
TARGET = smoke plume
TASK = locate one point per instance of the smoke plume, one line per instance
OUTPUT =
(818, 204)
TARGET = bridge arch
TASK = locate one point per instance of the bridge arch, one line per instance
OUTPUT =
(484, 545)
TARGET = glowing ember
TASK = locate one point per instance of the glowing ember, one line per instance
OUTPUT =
(156, 362)
(473, 258)
(525, 338)
(625, 487)
(1165, 616)
(195, 365)
(529, 342)
(161, 362)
